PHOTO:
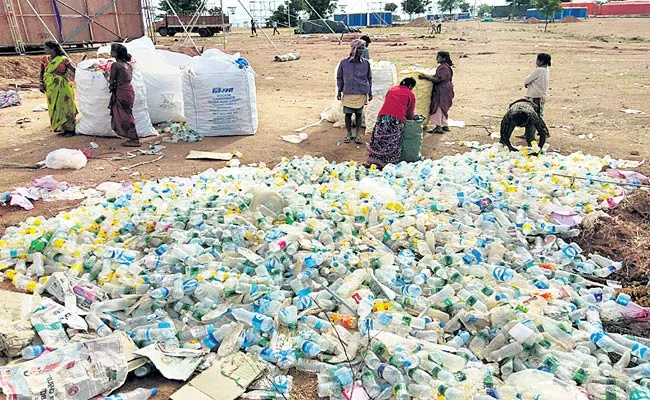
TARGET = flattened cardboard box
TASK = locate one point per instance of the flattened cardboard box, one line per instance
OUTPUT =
(213, 383)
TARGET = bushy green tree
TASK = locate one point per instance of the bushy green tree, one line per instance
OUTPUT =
(448, 5)
(320, 7)
(390, 7)
(484, 9)
(181, 6)
(411, 7)
(548, 8)
(280, 16)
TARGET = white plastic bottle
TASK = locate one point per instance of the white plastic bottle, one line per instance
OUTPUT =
(258, 321)
(137, 394)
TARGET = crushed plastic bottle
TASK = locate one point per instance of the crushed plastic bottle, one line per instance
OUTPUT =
(448, 278)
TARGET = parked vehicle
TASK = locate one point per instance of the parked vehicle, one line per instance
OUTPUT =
(204, 25)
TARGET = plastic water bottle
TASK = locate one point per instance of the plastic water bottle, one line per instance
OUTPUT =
(258, 321)
(96, 324)
(137, 394)
(31, 352)
(309, 348)
(459, 340)
(154, 334)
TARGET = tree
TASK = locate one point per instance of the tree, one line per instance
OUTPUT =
(181, 6)
(213, 11)
(415, 6)
(280, 15)
(464, 6)
(322, 7)
(520, 3)
(448, 5)
(390, 7)
(484, 9)
(548, 8)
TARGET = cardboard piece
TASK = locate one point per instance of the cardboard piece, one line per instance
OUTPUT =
(226, 379)
(15, 306)
(208, 155)
(178, 364)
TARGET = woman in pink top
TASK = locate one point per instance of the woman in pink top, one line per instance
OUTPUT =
(385, 145)
(442, 95)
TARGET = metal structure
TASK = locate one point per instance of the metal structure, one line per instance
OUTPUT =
(12, 22)
(261, 10)
(26, 24)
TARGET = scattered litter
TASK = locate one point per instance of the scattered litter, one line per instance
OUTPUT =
(9, 98)
(288, 57)
(93, 146)
(176, 364)
(631, 111)
(208, 155)
(295, 138)
(137, 394)
(233, 163)
(455, 124)
(456, 277)
(45, 188)
(227, 379)
(77, 370)
(40, 108)
(178, 132)
(629, 176)
(310, 125)
(65, 159)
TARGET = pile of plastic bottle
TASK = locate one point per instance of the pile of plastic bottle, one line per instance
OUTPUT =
(435, 279)
(179, 132)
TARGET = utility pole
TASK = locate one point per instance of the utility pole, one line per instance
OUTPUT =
(289, 14)
(223, 26)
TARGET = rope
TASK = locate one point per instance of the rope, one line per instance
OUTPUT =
(260, 28)
(29, 3)
(638, 185)
(183, 26)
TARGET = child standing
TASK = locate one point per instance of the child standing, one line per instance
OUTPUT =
(537, 82)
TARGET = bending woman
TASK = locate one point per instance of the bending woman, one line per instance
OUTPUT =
(386, 143)
(61, 108)
(122, 96)
(442, 95)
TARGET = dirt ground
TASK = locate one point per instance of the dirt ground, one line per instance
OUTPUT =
(599, 67)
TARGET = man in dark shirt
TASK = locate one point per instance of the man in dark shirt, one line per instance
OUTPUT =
(253, 28)
(524, 113)
(354, 83)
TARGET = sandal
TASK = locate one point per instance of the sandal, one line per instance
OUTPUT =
(445, 129)
(132, 143)
(357, 140)
(348, 139)
(437, 130)
(68, 133)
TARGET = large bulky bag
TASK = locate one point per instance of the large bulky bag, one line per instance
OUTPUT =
(422, 89)
(384, 77)
(178, 60)
(93, 97)
(219, 95)
(412, 141)
(370, 112)
(162, 81)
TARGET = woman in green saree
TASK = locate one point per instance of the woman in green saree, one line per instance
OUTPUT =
(55, 67)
